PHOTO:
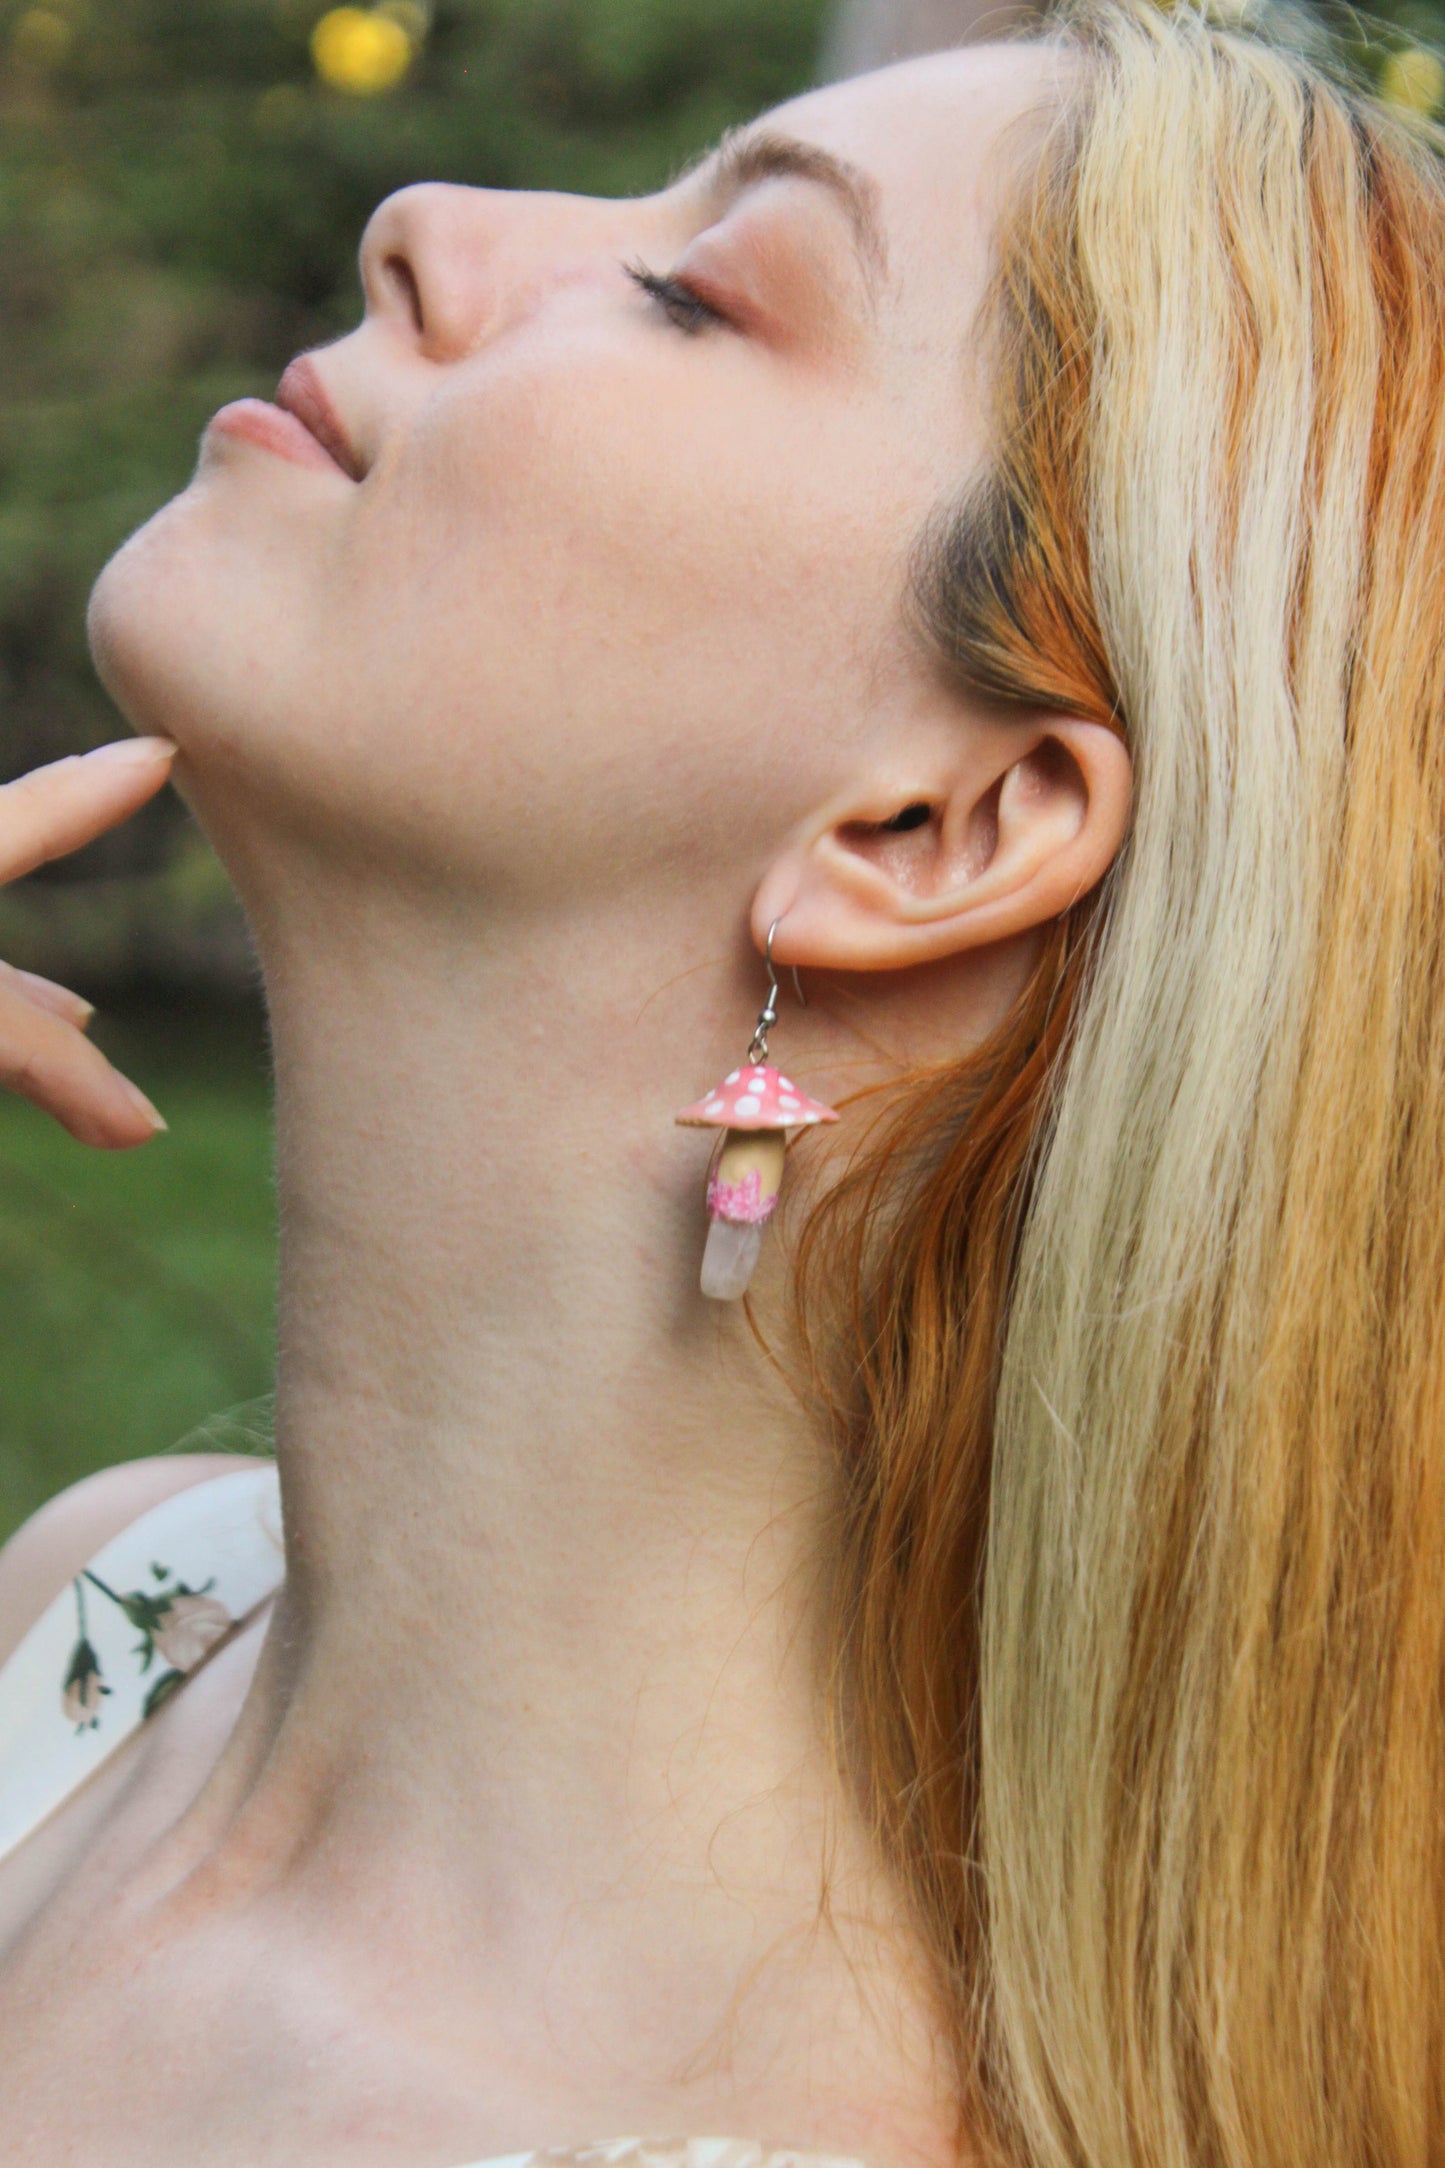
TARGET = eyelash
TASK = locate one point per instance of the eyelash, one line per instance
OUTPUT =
(686, 309)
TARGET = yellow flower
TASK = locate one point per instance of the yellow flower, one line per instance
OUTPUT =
(360, 50)
(1413, 79)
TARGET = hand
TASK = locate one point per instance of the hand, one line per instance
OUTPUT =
(44, 1053)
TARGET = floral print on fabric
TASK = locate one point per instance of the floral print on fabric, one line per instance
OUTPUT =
(179, 1623)
(124, 1634)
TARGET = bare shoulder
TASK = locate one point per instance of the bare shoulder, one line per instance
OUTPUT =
(51, 1547)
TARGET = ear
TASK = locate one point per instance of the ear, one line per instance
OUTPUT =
(992, 838)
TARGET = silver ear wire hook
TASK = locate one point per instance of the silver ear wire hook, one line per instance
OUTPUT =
(768, 959)
(768, 1014)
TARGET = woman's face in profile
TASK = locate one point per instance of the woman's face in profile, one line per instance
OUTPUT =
(594, 571)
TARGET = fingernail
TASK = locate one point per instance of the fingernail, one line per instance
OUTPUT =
(132, 752)
(73, 1007)
(141, 1104)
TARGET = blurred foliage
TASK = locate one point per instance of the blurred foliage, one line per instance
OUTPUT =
(136, 1288)
(183, 184)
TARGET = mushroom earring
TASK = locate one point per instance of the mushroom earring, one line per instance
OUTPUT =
(756, 1107)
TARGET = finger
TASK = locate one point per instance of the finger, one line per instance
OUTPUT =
(45, 994)
(48, 1061)
(54, 810)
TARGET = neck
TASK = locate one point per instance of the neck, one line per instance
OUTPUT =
(544, 1682)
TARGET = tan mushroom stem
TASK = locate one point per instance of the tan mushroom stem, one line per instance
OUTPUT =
(746, 1150)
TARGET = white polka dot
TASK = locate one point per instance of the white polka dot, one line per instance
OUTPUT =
(785, 1083)
(786, 1099)
(748, 1104)
(732, 1076)
(714, 1106)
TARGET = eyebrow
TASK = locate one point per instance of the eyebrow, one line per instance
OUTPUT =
(746, 156)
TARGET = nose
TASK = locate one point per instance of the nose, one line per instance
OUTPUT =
(441, 264)
(420, 268)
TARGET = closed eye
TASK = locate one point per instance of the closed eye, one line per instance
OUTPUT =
(684, 306)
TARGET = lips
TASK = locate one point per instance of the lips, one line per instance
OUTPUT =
(302, 394)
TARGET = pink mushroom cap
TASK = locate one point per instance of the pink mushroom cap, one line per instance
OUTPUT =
(756, 1097)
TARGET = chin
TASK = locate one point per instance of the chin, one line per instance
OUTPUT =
(204, 629)
(172, 624)
(189, 634)
(144, 628)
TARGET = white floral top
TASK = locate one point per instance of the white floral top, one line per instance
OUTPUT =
(147, 1610)
(121, 1638)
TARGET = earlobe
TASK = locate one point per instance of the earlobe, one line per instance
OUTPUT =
(1029, 818)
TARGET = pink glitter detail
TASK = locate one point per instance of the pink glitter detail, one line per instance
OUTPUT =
(741, 1202)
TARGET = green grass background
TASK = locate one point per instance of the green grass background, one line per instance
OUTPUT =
(137, 1288)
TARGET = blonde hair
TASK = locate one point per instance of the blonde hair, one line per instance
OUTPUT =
(1139, 1389)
